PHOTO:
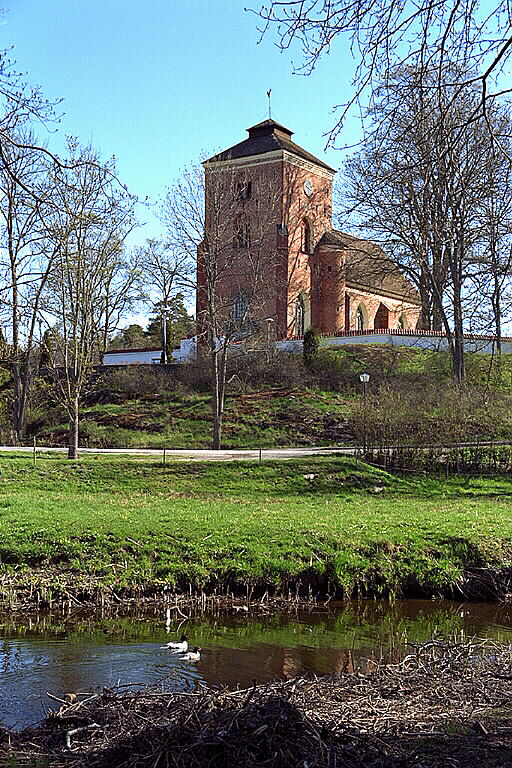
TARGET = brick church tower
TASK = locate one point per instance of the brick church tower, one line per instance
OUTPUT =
(279, 220)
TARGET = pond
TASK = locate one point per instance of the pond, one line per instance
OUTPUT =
(61, 654)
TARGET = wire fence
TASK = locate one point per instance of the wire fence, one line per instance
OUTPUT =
(482, 460)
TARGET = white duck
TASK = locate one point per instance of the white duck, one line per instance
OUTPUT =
(178, 647)
(194, 655)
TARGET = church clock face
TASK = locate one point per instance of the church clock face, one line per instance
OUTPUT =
(308, 187)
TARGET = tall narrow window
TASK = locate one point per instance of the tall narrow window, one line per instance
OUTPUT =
(242, 232)
(240, 308)
(402, 322)
(360, 319)
(381, 321)
(299, 316)
(306, 237)
(347, 312)
(243, 190)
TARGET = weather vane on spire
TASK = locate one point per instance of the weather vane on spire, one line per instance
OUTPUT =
(269, 92)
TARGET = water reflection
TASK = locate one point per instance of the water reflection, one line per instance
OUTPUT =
(63, 654)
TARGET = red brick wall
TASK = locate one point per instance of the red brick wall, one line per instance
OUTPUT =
(330, 293)
(276, 269)
(371, 302)
(316, 210)
(257, 270)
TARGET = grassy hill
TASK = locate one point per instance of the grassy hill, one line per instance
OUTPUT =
(276, 417)
(280, 402)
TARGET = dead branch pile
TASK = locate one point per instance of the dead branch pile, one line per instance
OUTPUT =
(445, 705)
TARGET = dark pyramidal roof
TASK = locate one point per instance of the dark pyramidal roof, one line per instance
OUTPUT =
(267, 136)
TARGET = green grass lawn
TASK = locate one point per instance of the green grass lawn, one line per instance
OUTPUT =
(138, 524)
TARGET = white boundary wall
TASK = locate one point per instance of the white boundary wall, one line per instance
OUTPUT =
(132, 357)
(185, 353)
(485, 345)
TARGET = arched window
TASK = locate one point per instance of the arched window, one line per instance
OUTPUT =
(306, 237)
(360, 318)
(299, 316)
(242, 231)
(240, 308)
(381, 321)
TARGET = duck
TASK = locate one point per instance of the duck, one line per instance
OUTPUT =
(179, 647)
(193, 655)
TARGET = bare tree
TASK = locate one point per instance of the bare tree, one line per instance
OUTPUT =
(165, 273)
(22, 107)
(121, 287)
(214, 220)
(474, 35)
(493, 279)
(24, 263)
(90, 220)
(418, 186)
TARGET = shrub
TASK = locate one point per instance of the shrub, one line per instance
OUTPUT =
(429, 414)
(335, 371)
(93, 435)
(262, 370)
(136, 380)
(194, 376)
(310, 346)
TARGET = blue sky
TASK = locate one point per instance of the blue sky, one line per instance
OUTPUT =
(156, 82)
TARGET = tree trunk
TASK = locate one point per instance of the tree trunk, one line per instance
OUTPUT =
(73, 431)
(219, 365)
(18, 405)
(17, 415)
(496, 305)
(437, 319)
(458, 357)
(21, 384)
(217, 431)
(458, 334)
(438, 288)
(216, 412)
(217, 415)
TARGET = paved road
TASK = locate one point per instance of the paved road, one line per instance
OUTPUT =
(197, 455)
(225, 455)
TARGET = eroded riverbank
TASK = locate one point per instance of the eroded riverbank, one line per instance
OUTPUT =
(107, 529)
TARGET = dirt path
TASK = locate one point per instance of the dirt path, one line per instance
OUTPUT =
(194, 455)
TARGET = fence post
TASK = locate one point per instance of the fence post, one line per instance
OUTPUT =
(34, 453)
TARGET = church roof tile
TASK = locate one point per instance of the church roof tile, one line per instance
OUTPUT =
(368, 267)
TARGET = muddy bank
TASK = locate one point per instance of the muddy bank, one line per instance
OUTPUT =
(29, 590)
(31, 595)
(445, 704)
